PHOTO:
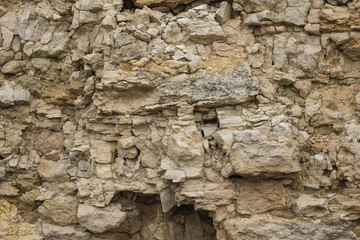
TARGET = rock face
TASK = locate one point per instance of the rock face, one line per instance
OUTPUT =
(269, 160)
(67, 232)
(13, 226)
(10, 95)
(99, 220)
(261, 229)
(179, 119)
(235, 86)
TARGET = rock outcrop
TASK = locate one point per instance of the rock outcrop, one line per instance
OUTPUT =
(179, 119)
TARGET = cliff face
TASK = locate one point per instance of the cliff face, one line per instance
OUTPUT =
(179, 119)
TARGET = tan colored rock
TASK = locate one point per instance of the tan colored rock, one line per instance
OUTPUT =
(103, 171)
(172, 33)
(199, 125)
(7, 37)
(131, 153)
(2, 173)
(53, 171)
(351, 49)
(42, 64)
(10, 21)
(339, 38)
(205, 31)
(175, 175)
(185, 145)
(13, 226)
(312, 28)
(303, 86)
(260, 5)
(336, 105)
(6, 56)
(265, 17)
(167, 199)
(99, 220)
(195, 65)
(203, 90)
(8, 189)
(61, 211)
(259, 196)
(296, 14)
(309, 206)
(126, 142)
(12, 67)
(260, 228)
(57, 47)
(102, 152)
(345, 207)
(265, 159)
(314, 16)
(53, 232)
(267, 30)
(335, 19)
(223, 13)
(12, 94)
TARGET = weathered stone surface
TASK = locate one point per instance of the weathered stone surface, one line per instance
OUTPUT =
(172, 33)
(99, 220)
(261, 5)
(7, 37)
(297, 14)
(265, 159)
(259, 196)
(223, 13)
(103, 171)
(205, 31)
(185, 145)
(42, 64)
(102, 152)
(12, 94)
(338, 18)
(61, 210)
(203, 120)
(6, 56)
(265, 17)
(167, 198)
(10, 21)
(12, 225)
(8, 189)
(175, 175)
(309, 206)
(262, 229)
(238, 85)
(55, 48)
(52, 171)
(12, 67)
(294, 14)
(53, 232)
(336, 106)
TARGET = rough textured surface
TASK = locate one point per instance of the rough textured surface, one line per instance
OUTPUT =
(179, 119)
(99, 220)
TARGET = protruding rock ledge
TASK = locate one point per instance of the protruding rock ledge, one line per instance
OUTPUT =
(124, 95)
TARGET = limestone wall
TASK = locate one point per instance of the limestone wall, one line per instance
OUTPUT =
(179, 119)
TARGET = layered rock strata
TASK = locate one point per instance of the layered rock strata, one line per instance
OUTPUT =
(179, 119)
